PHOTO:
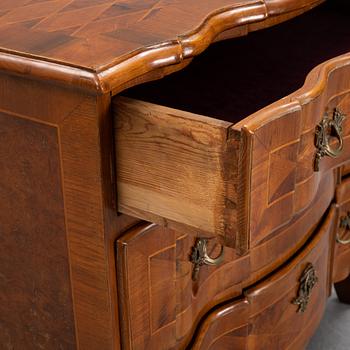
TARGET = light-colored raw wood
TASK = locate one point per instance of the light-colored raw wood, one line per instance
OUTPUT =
(283, 180)
(178, 159)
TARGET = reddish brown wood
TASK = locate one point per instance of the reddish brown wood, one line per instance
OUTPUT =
(280, 189)
(264, 163)
(341, 270)
(59, 284)
(190, 152)
(345, 170)
(154, 266)
(59, 170)
(224, 329)
(104, 44)
(273, 318)
(266, 318)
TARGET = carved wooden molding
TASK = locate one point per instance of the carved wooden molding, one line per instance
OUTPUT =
(115, 74)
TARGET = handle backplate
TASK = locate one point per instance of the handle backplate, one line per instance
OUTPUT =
(308, 281)
(199, 257)
(328, 127)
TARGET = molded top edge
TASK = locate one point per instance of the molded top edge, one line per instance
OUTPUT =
(114, 42)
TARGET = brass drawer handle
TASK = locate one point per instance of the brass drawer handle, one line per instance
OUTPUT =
(344, 224)
(324, 130)
(199, 257)
(308, 281)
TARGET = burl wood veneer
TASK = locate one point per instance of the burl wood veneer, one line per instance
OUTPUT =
(34, 255)
(103, 197)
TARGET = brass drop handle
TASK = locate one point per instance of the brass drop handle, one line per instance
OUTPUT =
(308, 281)
(199, 257)
(327, 128)
(344, 224)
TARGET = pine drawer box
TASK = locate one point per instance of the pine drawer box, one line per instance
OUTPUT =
(173, 175)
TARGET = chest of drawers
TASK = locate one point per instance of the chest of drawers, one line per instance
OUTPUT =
(168, 181)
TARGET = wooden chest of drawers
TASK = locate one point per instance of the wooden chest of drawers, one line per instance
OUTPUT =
(208, 209)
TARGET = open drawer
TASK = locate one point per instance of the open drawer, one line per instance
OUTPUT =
(239, 176)
(342, 251)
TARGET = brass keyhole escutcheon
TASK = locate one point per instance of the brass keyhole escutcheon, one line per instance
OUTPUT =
(345, 226)
(308, 281)
(328, 127)
(200, 257)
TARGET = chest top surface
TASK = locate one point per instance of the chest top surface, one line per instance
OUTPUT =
(105, 36)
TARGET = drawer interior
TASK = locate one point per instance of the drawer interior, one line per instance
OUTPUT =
(237, 77)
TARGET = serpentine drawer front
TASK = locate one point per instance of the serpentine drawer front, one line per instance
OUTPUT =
(282, 311)
(342, 251)
(240, 181)
(165, 290)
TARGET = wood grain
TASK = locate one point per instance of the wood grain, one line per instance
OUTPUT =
(36, 306)
(266, 318)
(159, 302)
(101, 45)
(283, 181)
(61, 157)
(343, 290)
(342, 252)
(69, 162)
(150, 258)
(224, 329)
(178, 160)
(243, 182)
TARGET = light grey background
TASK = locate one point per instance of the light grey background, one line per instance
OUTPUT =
(334, 330)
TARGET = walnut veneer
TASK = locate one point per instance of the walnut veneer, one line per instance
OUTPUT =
(106, 191)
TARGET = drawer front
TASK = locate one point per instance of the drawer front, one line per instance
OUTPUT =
(160, 299)
(345, 170)
(342, 250)
(269, 316)
(239, 182)
(286, 165)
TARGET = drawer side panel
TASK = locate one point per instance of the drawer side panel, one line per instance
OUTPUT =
(173, 167)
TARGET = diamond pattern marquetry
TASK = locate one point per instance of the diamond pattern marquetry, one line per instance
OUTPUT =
(94, 33)
(283, 178)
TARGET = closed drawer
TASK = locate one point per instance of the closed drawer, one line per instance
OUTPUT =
(269, 315)
(342, 249)
(237, 179)
(162, 300)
